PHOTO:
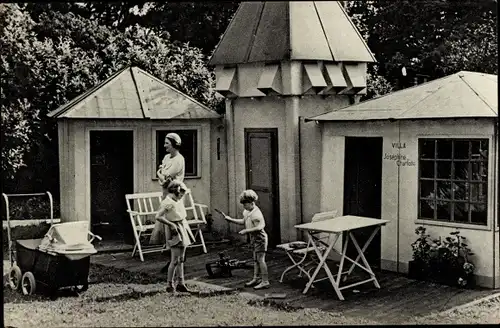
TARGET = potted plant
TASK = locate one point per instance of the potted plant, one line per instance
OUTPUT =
(450, 261)
(444, 261)
(418, 267)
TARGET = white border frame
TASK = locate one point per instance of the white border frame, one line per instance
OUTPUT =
(87, 159)
(156, 128)
(491, 182)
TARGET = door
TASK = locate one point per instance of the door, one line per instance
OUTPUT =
(261, 149)
(363, 190)
(111, 177)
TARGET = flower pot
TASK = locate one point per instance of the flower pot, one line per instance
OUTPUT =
(417, 270)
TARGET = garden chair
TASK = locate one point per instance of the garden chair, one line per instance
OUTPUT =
(142, 209)
(196, 220)
(300, 251)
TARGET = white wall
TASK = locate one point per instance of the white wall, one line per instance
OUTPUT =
(400, 185)
(75, 161)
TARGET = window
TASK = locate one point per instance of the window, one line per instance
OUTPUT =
(453, 183)
(189, 149)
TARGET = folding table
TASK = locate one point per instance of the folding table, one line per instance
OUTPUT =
(337, 226)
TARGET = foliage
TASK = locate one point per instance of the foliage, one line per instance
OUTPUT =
(429, 37)
(34, 231)
(444, 259)
(201, 24)
(377, 85)
(56, 57)
(421, 246)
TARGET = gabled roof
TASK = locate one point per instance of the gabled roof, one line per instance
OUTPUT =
(460, 95)
(133, 93)
(271, 31)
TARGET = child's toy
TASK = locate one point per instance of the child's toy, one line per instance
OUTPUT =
(225, 265)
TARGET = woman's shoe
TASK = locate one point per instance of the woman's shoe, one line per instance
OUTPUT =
(182, 289)
(262, 285)
(252, 282)
(170, 289)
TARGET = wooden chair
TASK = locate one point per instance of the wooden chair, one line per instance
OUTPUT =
(142, 209)
(196, 220)
(299, 251)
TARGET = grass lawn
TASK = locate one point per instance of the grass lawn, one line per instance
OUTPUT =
(123, 299)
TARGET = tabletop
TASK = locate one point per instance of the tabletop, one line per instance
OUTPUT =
(341, 224)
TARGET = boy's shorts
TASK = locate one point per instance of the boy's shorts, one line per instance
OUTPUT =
(258, 243)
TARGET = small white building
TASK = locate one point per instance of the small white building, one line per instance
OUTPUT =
(111, 143)
(422, 156)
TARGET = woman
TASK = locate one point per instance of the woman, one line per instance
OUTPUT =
(173, 164)
(173, 214)
(171, 168)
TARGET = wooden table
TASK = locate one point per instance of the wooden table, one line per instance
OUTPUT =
(337, 226)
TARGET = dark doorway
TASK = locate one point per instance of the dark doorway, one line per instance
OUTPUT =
(111, 177)
(363, 190)
(261, 149)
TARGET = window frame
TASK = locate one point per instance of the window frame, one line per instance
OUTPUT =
(452, 179)
(176, 128)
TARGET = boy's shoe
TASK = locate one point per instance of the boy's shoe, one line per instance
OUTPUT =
(252, 283)
(262, 285)
(182, 289)
(170, 289)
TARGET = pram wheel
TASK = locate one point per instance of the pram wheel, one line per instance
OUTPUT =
(15, 277)
(28, 283)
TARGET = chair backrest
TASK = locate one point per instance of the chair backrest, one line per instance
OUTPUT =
(325, 237)
(145, 204)
(190, 205)
(324, 216)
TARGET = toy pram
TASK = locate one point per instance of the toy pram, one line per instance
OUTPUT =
(60, 259)
(225, 265)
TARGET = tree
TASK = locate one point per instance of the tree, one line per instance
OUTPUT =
(51, 60)
(429, 37)
(201, 24)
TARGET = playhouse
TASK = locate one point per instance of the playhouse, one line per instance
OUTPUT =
(422, 156)
(111, 143)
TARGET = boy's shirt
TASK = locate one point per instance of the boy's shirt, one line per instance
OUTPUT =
(252, 219)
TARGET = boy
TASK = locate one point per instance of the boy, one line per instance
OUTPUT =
(254, 227)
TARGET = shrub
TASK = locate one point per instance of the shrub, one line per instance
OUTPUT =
(23, 232)
(445, 260)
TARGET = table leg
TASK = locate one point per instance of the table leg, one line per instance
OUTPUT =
(365, 246)
(367, 266)
(342, 258)
(323, 265)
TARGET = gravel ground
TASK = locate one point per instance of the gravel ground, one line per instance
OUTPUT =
(161, 309)
(487, 312)
(120, 298)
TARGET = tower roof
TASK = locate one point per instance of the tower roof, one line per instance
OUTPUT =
(270, 31)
